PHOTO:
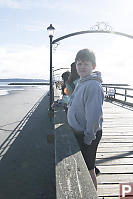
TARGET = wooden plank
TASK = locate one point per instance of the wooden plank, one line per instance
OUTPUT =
(118, 113)
(117, 128)
(114, 145)
(110, 130)
(116, 169)
(118, 125)
(114, 155)
(117, 137)
(115, 178)
(117, 120)
(118, 140)
(109, 117)
(117, 134)
(112, 161)
(113, 118)
(109, 190)
(116, 149)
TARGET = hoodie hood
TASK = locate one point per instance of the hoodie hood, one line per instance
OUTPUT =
(93, 76)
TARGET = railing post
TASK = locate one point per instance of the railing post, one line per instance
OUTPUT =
(125, 95)
(106, 90)
(114, 92)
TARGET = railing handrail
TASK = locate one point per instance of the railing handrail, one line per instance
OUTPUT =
(116, 93)
(117, 87)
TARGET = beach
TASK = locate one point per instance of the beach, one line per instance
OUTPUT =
(15, 105)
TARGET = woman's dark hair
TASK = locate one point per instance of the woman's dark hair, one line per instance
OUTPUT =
(65, 76)
(73, 75)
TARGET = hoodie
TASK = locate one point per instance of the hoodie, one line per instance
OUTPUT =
(85, 107)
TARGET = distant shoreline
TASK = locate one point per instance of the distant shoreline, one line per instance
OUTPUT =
(12, 88)
(28, 83)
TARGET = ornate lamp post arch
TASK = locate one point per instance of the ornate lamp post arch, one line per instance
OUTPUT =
(100, 27)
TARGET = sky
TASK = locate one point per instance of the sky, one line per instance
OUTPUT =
(24, 40)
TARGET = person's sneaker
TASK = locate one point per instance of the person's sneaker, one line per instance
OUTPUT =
(97, 171)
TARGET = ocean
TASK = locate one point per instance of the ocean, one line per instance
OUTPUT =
(6, 89)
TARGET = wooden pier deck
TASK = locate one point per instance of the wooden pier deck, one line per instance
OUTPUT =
(115, 151)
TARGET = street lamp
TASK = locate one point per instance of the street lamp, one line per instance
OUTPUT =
(50, 30)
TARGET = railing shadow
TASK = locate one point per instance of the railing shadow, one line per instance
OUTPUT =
(27, 169)
(113, 157)
(66, 143)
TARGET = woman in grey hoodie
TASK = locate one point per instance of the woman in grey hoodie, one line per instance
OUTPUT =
(85, 108)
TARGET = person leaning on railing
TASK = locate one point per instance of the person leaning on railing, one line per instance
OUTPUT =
(68, 90)
(85, 108)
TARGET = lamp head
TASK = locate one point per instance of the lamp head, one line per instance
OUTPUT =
(50, 30)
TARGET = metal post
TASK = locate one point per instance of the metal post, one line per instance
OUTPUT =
(125, 95)
(106, 90)
(114, 92)
(51, 81)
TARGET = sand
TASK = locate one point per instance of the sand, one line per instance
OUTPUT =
(15, 106)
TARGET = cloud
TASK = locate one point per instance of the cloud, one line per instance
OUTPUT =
(116, 61)
(24, 4)
(11, 4)
(35, 26)
(24, 61)
(113, 60)
(85, 8)
(21, 4)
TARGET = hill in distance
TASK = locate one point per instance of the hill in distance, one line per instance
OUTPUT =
(23, 80)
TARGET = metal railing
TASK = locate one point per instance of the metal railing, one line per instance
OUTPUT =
(118, 93)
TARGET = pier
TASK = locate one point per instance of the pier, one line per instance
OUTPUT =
(40, 158)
